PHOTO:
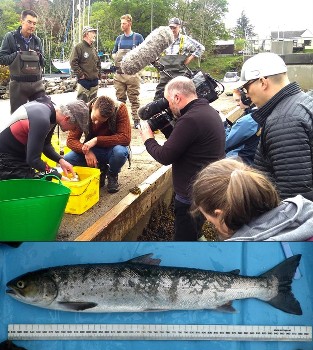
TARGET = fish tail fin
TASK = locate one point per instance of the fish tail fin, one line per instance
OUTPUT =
(285, 300)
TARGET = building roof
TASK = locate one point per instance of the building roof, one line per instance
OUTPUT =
(288, 34)
(225, 42)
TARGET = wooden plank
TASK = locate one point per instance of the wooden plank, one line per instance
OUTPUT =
(118, 221)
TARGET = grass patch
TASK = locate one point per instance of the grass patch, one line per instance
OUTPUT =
(217, 66)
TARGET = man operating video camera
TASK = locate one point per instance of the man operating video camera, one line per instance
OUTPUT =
(197, 139)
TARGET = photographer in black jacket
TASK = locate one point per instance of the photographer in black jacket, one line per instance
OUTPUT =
(21, 50)
(197, 139)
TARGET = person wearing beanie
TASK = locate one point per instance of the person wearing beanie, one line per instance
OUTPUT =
(27, 134)
(86, 65)
(284, 112)
(106, 140)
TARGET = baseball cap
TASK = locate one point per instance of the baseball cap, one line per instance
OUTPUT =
(262, 65)
(88, 29)
(174, 22)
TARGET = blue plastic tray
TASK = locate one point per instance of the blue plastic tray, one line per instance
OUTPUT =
(251, 258)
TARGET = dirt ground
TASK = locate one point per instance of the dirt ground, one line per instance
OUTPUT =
(142, 166)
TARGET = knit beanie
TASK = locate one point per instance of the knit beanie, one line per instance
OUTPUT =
(79, 114)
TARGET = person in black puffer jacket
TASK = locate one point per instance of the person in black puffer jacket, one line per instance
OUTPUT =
(285, 151)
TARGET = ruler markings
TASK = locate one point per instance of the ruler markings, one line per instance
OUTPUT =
(158, 332)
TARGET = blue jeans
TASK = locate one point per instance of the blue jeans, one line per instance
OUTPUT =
(114, 156)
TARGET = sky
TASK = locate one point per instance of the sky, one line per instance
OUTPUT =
(272, 15)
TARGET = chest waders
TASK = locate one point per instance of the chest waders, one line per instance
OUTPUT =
(173, 66)
(26, 67)
(25, 77)
(118, 59)
(127, 86)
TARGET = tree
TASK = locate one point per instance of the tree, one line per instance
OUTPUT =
(9, 17)
(203, 20)
(243, 29)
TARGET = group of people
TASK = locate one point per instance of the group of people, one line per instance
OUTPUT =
(273, 145)
(106, 126)
(272, 140)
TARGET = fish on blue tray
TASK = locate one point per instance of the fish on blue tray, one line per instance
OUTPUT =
(140, 284)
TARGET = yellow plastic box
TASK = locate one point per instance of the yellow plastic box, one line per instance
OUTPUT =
(56, 145)
(84, 193)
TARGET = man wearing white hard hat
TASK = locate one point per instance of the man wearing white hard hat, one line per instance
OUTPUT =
(285, 113)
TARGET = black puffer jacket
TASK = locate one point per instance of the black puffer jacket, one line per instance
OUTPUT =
(285, 152)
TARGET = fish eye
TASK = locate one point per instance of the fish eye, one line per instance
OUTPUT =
(20, 284)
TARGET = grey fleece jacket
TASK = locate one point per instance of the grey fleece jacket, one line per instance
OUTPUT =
(292, 220)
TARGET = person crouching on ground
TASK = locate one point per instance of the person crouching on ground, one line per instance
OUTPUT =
(106, 142)
(244, 205)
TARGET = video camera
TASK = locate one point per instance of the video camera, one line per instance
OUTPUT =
(158, 114)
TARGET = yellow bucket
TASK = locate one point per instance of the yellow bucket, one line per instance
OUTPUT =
(84, 193)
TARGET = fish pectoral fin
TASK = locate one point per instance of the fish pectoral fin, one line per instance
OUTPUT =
(144, 259)
(228, 307)
(77, 305)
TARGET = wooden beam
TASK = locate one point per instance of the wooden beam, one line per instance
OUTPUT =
(118, 221)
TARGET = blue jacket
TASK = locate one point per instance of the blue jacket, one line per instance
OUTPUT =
(242, 139)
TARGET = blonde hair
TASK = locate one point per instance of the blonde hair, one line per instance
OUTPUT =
(128, 18)
(241, 192)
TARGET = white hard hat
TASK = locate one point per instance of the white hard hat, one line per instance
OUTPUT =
(262, 65)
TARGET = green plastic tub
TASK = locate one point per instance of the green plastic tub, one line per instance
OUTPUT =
(31, 209)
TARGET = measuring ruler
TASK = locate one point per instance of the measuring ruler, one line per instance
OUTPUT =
(157, 332)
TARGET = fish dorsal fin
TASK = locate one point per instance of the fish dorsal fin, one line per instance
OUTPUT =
(144, 259)
(228, 307)
(235, 272)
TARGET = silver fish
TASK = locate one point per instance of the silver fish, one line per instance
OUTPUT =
(140, 284)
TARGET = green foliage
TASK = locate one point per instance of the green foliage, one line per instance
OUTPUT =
(217, 66)
(243, 28)
(9, 17)
(4, 75)
(239, 44)
(203, 20)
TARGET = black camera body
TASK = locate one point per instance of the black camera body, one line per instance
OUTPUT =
(160, 121)
(157, 114)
